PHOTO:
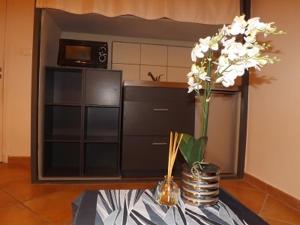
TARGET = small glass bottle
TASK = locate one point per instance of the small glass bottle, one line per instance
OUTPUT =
(167, 192)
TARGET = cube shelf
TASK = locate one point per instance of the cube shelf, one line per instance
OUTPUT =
(63, 86)
(81, 123)
(101, 159)
(61, 159)
(62, 122)
(101, 122)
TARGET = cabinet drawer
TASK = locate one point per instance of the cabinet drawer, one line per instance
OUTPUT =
(157, 94)
(157, 118)
(147, 156)
(145, 153)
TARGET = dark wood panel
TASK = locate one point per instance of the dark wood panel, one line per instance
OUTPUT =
(145, 156)
(158, 118)
(145, 153)
(103, 87)
(157, 94)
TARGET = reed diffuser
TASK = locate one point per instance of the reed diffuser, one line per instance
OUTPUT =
(167, 191)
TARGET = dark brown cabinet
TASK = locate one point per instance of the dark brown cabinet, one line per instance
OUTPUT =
(81, 123)
(149, 114)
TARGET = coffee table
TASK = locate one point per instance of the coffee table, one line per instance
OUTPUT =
(138, 207)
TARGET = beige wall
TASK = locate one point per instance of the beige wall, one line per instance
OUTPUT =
(17, 80)
(273, 151)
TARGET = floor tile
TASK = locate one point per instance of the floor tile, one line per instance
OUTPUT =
(6, 200)
(275, 210)
(276, 222)
(55, 207)
(24, 191)
(19, 215)
(253, 199)
(236, 184)
(13, 173)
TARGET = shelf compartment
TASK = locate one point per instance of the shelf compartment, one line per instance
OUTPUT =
(101, 159)
(62, 122)
(102, 123)
(61, 159)
(103, 87)
(63, 86)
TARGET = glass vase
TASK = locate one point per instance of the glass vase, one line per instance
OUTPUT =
(167, 192)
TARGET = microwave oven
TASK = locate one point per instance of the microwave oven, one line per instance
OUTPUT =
(82, 53)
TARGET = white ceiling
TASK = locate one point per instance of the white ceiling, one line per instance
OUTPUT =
(132, 26)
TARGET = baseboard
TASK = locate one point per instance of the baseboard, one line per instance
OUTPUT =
(274, 192)
(19, 160)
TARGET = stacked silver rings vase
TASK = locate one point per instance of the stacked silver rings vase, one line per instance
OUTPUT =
(202, 189)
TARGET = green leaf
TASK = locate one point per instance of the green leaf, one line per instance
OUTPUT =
(192, 149)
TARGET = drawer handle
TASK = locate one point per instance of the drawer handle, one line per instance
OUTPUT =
(159, 143)
(160, 110)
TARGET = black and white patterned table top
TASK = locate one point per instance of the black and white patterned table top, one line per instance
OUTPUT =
(139, 207)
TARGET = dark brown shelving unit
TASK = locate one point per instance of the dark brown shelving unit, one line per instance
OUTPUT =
(82, 123)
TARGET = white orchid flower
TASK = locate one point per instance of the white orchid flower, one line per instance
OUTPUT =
(196, 53)
(233, 57)
(237, 69)
(224, 31)
(194, 70)
(238, 25)
(251, 63)
(230, 74)
(253, 25)
(223, 61)
(191, 81)
(227, 81)
(269, 29)
(204, 44)
(251, 52)
(198, 72)
(250, 39)
(214, 46)
(193, 56)
(193, 85)
(202, 74)
(226, 42)
(234, 51)
(262, 61)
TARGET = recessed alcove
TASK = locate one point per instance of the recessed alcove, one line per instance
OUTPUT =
(136, 46)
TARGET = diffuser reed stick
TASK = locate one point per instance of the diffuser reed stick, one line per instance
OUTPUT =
(173, 149)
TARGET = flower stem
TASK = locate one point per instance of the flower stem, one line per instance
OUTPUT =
(205, 104)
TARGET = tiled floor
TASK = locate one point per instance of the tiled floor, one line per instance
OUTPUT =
(23, 203)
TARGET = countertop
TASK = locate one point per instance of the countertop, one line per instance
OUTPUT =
(174, 85)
